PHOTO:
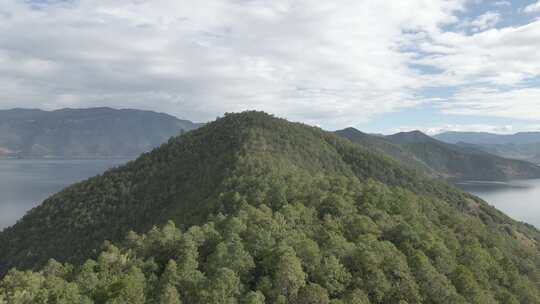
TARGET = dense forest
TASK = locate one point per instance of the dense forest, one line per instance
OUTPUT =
(254, 209)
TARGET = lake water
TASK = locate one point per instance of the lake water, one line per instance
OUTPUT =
(24, 184)
(519, 199)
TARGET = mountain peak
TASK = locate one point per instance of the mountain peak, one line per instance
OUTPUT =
(184, 180)
(415, 136)
(350, 131)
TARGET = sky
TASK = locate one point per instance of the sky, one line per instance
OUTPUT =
(381, 66)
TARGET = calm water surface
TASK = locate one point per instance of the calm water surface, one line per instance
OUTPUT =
(24, 184)
(518, 199)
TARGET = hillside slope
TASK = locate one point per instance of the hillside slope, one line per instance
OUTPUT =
(268, 212)
(463, 162)
(182, 180)
(442, 160)
(527, 152)
(85, 133)
(383, 145)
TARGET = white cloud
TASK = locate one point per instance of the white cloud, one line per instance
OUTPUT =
(521, 102)
(532, 8)
(506, 56)
(328, 63)
(504, 129)
(332, 62)
(437, 129)
(486, 21)
(502, 3)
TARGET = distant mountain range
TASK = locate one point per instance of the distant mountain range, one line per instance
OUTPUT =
(489, 138)
(523, 145)
(85, 133)
(126, 133)
(391, 149)
(453, 161)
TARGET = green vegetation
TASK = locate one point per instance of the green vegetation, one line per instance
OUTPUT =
(383, 145)
(265, 211)
(466, 163)
(438, 159)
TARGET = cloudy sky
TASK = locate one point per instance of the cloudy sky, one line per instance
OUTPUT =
(378, 65)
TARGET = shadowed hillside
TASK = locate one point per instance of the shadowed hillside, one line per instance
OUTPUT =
(523, 145)
(460, 162)
(420, 152)
(85, 133)
(383, 145)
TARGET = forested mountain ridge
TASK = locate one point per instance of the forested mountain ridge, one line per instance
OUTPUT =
(411, 137)
(527, 152)
(438, 159)
(394, 150)
(85, 133)
(267, 211)
(189, 171)
(462, 162)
